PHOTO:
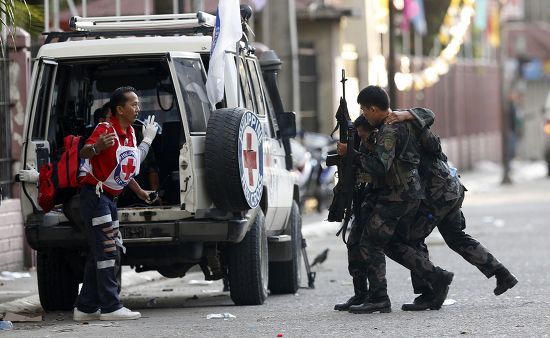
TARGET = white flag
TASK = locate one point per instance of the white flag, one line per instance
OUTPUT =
(227, 32)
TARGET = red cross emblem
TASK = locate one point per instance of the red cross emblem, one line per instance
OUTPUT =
(128, 169)
(249, 157)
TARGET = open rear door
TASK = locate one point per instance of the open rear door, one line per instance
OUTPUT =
(36, 149)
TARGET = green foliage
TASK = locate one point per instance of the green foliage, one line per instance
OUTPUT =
(17, 13)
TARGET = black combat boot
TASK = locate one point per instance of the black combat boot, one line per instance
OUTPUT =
(378, 304)
(440, 281)
(505, 281)
(360, 296)
(423, 302)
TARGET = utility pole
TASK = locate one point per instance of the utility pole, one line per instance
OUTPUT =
(505, 128)
(280, 34)
(392, 89)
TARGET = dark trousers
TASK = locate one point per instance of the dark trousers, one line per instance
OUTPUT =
(449, 219)
(387, 233)
(362, 210)
(100, 289)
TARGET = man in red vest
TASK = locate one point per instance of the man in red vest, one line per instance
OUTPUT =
(112, 159)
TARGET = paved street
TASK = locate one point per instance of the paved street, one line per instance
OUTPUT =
(511, 221)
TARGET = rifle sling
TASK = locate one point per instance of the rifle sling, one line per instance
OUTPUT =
(335, 128)
(343, 229)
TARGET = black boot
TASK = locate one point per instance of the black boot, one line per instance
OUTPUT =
(379, 304)
(505, 281)
(354, 300)
(440, 281)
(360, 296)
(423, 302)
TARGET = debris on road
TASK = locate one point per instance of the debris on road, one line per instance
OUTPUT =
(5, 325)
(200, 282)
(8, 275)
(224, 316)
(23, 317)
(449, 301)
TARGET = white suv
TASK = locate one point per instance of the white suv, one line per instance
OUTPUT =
(229, 201)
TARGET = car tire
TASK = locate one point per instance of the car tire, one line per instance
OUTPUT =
(222, 160)
(249, 266)
(57, 284)
(285, 277)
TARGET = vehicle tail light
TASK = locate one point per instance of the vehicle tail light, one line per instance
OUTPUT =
(547, 127)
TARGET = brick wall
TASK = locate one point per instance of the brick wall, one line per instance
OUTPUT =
(11, 235)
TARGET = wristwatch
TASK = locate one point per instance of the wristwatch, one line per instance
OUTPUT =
(94, 149)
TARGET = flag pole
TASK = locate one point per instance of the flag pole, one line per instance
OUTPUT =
(237, 50)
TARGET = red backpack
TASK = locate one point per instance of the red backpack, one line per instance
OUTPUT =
(57, 183)
(69, 162)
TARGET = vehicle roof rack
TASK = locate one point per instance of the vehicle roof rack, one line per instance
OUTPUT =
(136, 25)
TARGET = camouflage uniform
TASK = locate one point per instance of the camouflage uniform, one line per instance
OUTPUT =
(363, 203)
(442, 208)
(394, 167)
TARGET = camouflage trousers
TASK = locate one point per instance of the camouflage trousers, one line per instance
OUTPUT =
(357, 266)
(449, 219)
(387, 233)
(363, 203)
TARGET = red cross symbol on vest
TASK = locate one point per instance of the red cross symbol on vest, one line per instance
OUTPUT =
(128, 169)
(249, 156)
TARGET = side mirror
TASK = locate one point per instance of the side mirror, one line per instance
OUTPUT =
(287, 124)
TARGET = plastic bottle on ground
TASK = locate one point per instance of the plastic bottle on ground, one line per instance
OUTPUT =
(5, 325)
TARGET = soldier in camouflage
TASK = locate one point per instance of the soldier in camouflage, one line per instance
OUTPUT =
(363, 203)
(393, 165)
(442, 208)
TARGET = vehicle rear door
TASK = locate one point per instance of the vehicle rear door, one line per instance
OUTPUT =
(189, 77)
(36, 148)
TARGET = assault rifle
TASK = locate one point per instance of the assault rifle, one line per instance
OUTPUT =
(340, 208)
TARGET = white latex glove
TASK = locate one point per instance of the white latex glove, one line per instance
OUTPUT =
(28, 175)
(149, 129)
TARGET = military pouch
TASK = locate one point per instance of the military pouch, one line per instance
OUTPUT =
(363, 177)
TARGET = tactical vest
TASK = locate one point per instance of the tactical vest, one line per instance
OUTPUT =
(403, 175)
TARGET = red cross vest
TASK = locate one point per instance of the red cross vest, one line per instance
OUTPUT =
(127, 167)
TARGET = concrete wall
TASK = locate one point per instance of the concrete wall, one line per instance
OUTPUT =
(11, 235)
(13, 247)
(325, 36)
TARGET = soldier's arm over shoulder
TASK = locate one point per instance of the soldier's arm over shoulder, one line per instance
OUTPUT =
(424, 117)
(379, 161)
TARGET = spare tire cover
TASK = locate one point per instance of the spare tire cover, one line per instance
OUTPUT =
(234, 159)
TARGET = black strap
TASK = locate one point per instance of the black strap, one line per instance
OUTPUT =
(335, 129)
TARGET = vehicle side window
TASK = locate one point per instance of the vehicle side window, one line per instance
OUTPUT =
(258, 94)
(192, 82)
(246, 88)
(43, 99)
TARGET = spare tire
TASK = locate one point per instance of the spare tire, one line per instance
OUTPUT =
(234, 159)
